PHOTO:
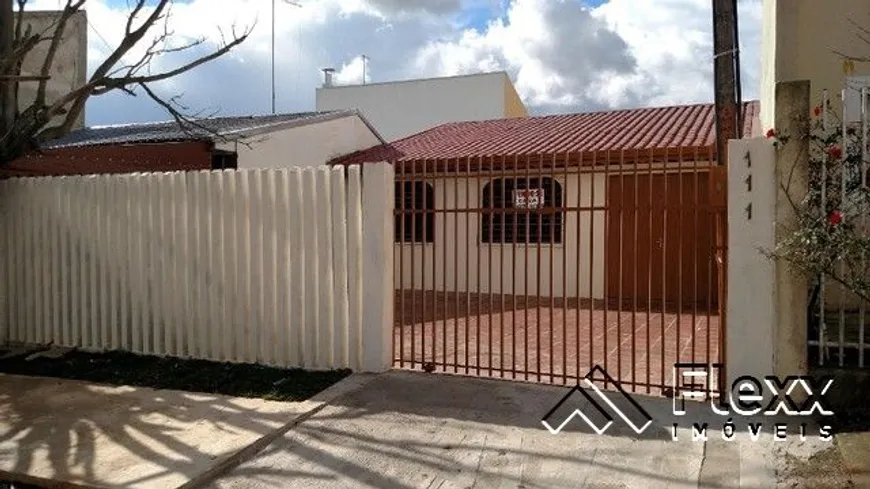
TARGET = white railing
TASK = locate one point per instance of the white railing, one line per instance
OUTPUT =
(263, 266)
(840, 338)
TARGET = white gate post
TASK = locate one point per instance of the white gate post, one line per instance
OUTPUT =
(752, 188)
(378, 289)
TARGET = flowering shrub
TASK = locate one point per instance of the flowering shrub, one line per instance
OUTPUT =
(831, 238)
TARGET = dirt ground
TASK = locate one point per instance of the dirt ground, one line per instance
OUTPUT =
(825, 470)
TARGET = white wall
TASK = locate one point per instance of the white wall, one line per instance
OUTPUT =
(459, 247)
(257, 266)
(751, 308)
(69, 70)
(400, 109)
(801, 39)
(306, 145)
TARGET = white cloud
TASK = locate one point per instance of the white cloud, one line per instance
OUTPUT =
(562, 55)
(351, 72)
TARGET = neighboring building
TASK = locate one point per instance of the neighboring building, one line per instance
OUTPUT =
(273, 141)
(801, 39)
(401, 108)
(598, 161)
(805, 40)
(70, 66)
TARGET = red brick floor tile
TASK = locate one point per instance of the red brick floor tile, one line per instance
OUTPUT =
(550, 340)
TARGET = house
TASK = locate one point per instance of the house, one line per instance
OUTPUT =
(271, 141)
(804, 40)
(69, 69)
(401, 108)
(560, 205)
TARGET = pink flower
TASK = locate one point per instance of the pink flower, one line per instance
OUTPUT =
(817, 110)
(835, 217)
(835, 152)
(771, 133)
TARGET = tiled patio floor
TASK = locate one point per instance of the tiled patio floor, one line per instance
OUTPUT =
(550, 341)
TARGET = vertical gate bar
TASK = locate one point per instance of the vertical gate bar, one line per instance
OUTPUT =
(444, 180)
(607, 203)
(456, 295)
(423, 211)
(822, 329)
(714, 212)
(592, 176)
(528, 217)
(635, 291)
(401, 227)
(414, 257)
(514, 219)
(622, 226)
(552, 225)
(649, 287)
(427, 297)
(420, 210)
(539, 181)
(563, 232)
(480, 244)
(489, 267)
(432, 216)
(680, 220)
(696, 202)
(843, 146)
(468, 239)
(663, 330)
(501, 287)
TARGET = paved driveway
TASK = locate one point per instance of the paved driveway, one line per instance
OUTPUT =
(415, 430)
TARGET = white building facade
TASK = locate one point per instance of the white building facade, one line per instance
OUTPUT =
(402, 108)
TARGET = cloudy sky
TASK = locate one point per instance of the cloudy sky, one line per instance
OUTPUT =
(563, 55)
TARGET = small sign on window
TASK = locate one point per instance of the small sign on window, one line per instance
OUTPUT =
(528, 198)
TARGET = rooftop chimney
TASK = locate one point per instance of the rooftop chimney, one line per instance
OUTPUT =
(327, 77)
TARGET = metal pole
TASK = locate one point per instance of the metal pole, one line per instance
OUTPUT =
(737, 79)
(364, 57)
(726, 87)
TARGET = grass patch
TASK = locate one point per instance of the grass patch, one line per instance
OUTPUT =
(233, 379)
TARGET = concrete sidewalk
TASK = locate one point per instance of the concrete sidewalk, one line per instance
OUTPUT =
(91, 435)
(409, 430)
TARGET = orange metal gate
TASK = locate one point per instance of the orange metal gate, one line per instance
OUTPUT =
(540, 267)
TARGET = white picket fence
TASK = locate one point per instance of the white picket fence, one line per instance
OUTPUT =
(262, 266)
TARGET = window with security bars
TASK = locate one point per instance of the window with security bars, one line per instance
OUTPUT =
(522, 210)
(415, 219)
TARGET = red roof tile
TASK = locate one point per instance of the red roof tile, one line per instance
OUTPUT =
(660, 128)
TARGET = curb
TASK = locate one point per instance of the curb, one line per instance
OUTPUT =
(334, 392)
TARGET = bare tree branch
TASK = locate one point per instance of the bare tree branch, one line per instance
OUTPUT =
(110, 83)
(133, 14)
(20, 19)
(69, 9)
(47, 119)
(180, 118)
